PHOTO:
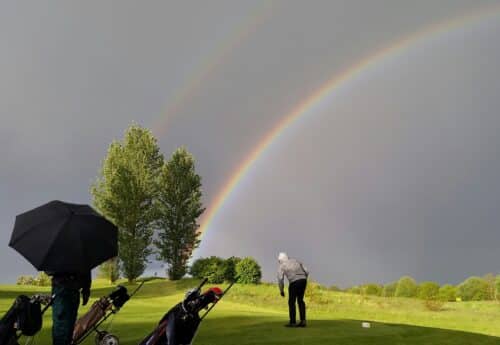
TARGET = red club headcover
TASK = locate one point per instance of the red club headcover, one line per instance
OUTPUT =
(217, 291)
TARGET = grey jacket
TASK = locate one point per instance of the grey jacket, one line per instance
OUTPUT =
(293, 270)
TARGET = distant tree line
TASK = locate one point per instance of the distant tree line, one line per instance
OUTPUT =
(42, 279)
(234, 269)
(217, 270)
(486, 288)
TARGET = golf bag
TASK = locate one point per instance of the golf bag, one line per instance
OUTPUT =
(99, 312)
(179, 325)
(23, 318)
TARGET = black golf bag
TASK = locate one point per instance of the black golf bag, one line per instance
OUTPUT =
(23, 318)
(179, 325)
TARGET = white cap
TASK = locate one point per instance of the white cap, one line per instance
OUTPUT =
(282, 257)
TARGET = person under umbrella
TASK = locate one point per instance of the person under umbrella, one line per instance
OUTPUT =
(297, 275)
(67, 287)
(66, 241)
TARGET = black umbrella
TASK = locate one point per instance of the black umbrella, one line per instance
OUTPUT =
(63, 237)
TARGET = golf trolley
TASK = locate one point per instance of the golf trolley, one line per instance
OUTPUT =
(180, 324)
(23, 318)
(99, 312)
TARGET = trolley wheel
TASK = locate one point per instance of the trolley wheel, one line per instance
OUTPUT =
(105, 338)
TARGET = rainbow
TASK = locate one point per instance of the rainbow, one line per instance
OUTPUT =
(350, 74)
(209, 64)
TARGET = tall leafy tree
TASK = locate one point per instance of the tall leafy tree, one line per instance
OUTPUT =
(179, 207)
(125, 191)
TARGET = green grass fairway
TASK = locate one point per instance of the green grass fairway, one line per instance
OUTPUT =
(256, 315)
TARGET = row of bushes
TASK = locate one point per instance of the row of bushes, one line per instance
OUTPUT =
(217, 270)
(472, 289)
(42, 279)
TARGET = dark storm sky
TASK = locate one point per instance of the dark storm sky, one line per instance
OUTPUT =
(397, 173)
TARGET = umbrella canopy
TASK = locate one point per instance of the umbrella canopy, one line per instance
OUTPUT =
(63, 237)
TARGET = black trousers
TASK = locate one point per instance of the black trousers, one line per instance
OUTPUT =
(296, 291)
(64, 313)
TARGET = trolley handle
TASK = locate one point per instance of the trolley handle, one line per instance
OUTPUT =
(203, 282)
(137, 289)
(213, 304)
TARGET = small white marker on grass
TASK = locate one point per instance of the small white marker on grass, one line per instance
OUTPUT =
(365, 324)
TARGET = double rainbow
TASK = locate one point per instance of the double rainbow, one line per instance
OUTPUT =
(304, 108)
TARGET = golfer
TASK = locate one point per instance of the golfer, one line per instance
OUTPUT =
(297, 275)
(67, 288)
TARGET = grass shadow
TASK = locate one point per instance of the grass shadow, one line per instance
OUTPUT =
(247, 330)
(254, 330)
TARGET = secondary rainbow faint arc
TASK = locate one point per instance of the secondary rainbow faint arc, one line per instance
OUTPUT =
(328, 88)
(210, 63)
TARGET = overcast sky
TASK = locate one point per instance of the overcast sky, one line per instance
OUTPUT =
(396, 173)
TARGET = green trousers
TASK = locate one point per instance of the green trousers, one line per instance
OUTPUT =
(64, 312)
